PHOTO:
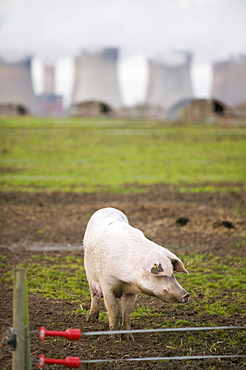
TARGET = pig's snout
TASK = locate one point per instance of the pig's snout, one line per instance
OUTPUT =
(185, 298)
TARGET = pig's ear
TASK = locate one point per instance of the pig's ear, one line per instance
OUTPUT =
(178, 265)
(157, 265)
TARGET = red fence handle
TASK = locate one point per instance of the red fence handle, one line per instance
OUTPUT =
(68, 361)
(70, 334)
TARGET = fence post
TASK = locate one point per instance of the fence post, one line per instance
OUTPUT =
(21, 355)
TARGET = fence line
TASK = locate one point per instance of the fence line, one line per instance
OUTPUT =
(163, 358)
(162, 330)
(75, 362)
(75, 334)
(21, 354)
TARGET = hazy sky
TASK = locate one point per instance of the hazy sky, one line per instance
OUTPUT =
(59, 29)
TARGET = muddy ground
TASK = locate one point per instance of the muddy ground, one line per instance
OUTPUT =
(216, 224)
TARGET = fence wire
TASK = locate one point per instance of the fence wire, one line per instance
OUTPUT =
(163, 358)
(202, 357)
(107, 332)
(187, 358)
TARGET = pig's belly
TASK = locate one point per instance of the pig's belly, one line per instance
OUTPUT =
(124, 288)
(117, 287)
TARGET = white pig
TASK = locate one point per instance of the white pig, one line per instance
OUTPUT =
(120, 263)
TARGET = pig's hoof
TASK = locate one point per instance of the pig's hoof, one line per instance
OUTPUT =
(115, 337)
(93, 317)
(128, 337)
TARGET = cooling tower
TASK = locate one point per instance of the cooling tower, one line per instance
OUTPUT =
(96, 79)
(168, 84)
(229, 81)
(16, 85)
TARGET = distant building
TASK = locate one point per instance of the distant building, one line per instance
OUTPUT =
(96, 88)
(16, 90)
(50, 104)
(229, 81)
(168, 84)
(199, 110)
(9, 109)
(49, 78)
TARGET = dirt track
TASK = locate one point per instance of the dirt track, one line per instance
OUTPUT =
(215, 224)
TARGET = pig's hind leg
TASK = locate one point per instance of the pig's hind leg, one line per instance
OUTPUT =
(127, 304)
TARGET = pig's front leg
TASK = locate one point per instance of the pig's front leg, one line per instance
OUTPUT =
(94, 310)
(127, 304)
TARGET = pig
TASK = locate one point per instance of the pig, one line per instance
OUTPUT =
(120, 263)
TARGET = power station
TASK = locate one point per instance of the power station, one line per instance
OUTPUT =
(229, 81)
(16, 90)
(49, 102)
(96, 87)
(168, 84)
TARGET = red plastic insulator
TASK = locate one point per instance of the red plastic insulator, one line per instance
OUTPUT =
(70, 334)
(69, 362)
(73, 334)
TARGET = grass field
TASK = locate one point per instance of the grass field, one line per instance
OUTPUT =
(122, 156)
(64, 278)
(117, 156)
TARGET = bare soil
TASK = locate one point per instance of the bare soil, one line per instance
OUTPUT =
(183, 222)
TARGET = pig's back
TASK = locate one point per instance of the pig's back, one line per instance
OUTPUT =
(116, 253)
(112, 248)
(99, 222)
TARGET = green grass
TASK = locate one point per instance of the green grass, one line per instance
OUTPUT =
(217, 286)
(117, 156)
(59, 278)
